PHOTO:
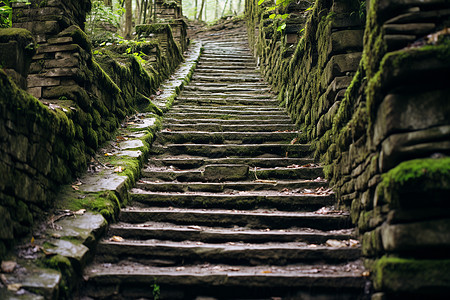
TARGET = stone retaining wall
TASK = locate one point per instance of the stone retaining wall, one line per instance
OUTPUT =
(376, 108)
(50, 139)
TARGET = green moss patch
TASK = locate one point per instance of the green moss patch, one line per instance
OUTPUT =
(416, 180)
(411, 276)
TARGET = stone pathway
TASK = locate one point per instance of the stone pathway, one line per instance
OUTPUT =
(229, 206)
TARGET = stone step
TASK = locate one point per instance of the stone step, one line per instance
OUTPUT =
(268, 99)
(233, 150)
(226, 67)
(226, 77)
(313, 281)
(227, 89)
(227, 126)
(236, 59)
(204, 234)
(226, 100)
(277, 173)
(229, 115)
(245, 200)
(237, 69)
(236, 110)
(192, 252)
(192, 162)
(226, 56)
(220, 187)
(232, 108)
(214, 124)
(205, 137)
(336, 221)
(225, 84)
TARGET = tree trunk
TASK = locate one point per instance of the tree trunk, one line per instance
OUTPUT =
(108, 3)
(225, 7)
(137, 14)
(195, 9)
(216, 13)
(128, 18)
(201, 10)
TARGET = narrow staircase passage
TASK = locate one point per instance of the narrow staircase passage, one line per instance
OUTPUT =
(227, 207)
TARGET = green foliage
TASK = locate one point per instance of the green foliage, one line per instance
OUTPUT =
(6, 12)
(156, 290)
(275, 9)
(103, 22)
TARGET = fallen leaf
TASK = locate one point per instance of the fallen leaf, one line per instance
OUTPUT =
(353, 243)
(119, 169)
(116, 238)
(121, 138)
(56, 235)
(14, 287)
(32, 240)
(266, 272)
(295, 140)
(80, 212)
(109, 154)
(8, 266)
(180, 269)
(75, 187)
(336, 243)
(365, 274)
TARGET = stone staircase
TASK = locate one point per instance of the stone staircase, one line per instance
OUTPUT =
(229, 206)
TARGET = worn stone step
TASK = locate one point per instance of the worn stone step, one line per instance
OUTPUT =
(220, 187)
(314, 281)
(171, 174)
(229, 115)
(215, 123)
(237, 69)
(205, 137)
(231, 108)
(254, 85)
(226, 100)
(248, 200)
(228, 126)
(236, 59)
(258, 99)
(192, 162)
(234, 150)
(191, 252)
(227, 78)
(220, 111)
(225, 67)
(204, 234)
(221, 89)
(337, 221)
(226, 56)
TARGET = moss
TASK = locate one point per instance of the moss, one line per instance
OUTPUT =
(23, 36)
(78, 36)
(413, 176)
(411, 275)
(64, 266)
(147, 29)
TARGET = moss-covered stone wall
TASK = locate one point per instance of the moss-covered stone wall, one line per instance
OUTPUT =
(76, 99)
(376, 108)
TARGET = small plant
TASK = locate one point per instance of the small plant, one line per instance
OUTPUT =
(274, 12)
(156, 290)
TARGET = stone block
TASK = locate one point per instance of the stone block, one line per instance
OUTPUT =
(417, 29)
(346, 40)
(415, 144)
(339, 65)
(411, 237)
(225, 172)
(411, 111)
(6, 229)
(40, 81)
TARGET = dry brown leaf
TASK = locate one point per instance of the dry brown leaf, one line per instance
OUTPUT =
(109, 154)
(8, 266)
(75, 187)
(116, 238)
(14, 287)
(119, 169)
(266, 272)
(80, 212)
